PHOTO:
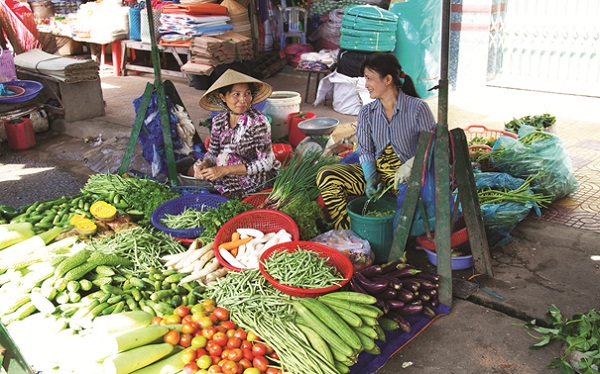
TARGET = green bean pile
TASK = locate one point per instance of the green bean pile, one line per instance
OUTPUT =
(521, 195)
(255, 305)
(142, 246)
(302, 268)
(189, 218)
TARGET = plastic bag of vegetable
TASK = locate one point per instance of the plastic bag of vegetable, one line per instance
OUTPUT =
(357, 250)
(540, 154)
(501, 218)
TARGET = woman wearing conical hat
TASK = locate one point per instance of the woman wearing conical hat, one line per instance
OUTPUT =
(240, 159)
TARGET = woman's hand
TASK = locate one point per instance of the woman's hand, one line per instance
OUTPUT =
(211, 173)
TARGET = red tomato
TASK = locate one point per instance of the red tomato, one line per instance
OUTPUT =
(172, 337)
(272, 370)
(189, 327)
(190, 368)
(201, 352)
(246, 345)
(182, 311)
(248, 353)
(214, 369)
(230, 333)
(220, 338)
(185, 340)
(205, 322)
(224, 354)
(229, 367)
(156, 320)
(172, 319)
(221, 313)
(235, 355)
(252, 336)
(215, 359)
(213, 348)
(204, 362)
(187, 319)
(228, 325)
(245, 363)
(214, 319)
(270, 349)
(259, 349)
(241, 334)
(188, 355)
(234, 342)
(274, 355)
(209, 332)
(260, 362)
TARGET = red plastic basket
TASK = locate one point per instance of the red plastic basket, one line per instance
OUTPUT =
(336, 258)
(265, 220)
(258, 198)
(458, 238)
(481, 131)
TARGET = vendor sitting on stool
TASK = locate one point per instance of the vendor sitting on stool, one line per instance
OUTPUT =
(387, 134)
(240, 159)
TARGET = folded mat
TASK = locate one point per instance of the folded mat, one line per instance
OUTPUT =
(195, 9)
(65, 69)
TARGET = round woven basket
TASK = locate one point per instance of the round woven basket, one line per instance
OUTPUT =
(336, 258)
(201, 202)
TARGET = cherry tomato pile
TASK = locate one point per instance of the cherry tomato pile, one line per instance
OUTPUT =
(214, 344)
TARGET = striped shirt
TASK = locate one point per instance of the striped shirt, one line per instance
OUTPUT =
(373, 132)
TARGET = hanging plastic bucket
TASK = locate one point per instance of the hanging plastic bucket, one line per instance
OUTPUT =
(20, 135)
(378, 231)
(296, 136)
(279, 106)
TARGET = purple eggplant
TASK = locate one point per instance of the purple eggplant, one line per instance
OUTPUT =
(356, 287)
(424, 297)
(433, 277)
(428, 312)
(383, 305)
(404, 295)
(410, 284)
(410, 309)
(369, 285)
(432, 303)
(392, 282)
(433, 293)
(404, 324)
(371, 271)
(395, 304)
(388, 293)
(426, 284)
(403, 273)
(391, 266)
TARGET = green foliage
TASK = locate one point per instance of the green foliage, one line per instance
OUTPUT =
(213, 219)
(309, 217)
(579, 333)
(540, 122)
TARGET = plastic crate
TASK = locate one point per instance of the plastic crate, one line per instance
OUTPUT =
(336, 258)
(201, 202)
(265, 220)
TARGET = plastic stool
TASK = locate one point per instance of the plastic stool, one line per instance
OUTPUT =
(296, 25)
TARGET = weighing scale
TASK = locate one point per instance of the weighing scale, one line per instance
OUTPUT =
(317, 131)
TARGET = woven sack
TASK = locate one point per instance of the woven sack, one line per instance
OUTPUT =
(145, 27)
(7, 66)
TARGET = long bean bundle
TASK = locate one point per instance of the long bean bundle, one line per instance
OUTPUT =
(519, 195)
(302, 268)
(189, 218)
(142, 246)
(256, 305)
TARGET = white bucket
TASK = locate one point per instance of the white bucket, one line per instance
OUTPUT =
(279, 105)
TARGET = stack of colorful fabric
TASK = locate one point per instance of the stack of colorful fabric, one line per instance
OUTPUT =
(184, 22)
(368, 28)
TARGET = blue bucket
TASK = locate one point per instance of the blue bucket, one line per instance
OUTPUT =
(135, 24)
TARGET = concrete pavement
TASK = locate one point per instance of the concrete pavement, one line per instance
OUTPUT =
(546, 264)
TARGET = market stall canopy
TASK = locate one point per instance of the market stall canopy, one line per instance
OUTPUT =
(64, 69)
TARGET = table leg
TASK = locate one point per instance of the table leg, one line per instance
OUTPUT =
(117, 56)
(307, 86)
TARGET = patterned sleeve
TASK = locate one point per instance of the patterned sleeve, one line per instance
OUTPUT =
(265, 158)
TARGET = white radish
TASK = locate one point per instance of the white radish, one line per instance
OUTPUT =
(274, 240)
(203, 260)
(219, 273)
(250, 232)
(188, 260)
(227, 256)
(241, 251)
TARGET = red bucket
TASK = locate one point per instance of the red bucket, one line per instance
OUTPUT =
(20, 135)
(296, 136)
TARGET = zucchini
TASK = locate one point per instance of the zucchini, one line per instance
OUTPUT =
(136, 358)
(317, 342)
(332, 338)
(334, 321)
(352, 319)
(170, 365)
(367, 342)
(360, 309)
(78, 272)
(388, 324)
(354, 297)
(122, 322)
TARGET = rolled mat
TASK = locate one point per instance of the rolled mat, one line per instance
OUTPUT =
(395, 341)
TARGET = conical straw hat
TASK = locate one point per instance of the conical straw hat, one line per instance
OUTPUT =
(234, 7)
(233, 77)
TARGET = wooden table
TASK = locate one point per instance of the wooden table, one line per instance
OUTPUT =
(117, 53)
(140, 46)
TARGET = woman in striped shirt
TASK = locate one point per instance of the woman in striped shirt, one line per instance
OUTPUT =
(387, 134)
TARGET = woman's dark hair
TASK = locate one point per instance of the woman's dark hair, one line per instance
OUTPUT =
(387, 63)
(251, 86)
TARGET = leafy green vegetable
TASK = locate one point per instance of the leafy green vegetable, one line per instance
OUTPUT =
(540, 122)
(213, 219)
(579, 334)
(309, 217)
